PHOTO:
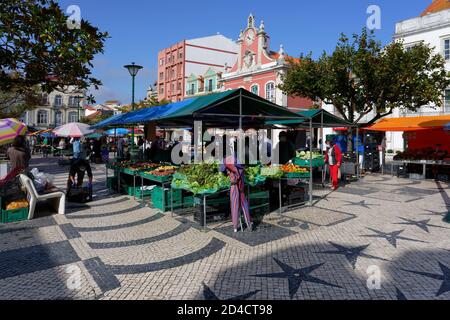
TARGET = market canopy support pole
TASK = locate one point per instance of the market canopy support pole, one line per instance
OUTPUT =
(310, 164)
(357, 153)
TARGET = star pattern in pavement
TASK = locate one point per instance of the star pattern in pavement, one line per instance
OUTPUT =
(400, 295)
(391, 237)
(351, 253)
(359, 204)
(208, 294)
(296, 276)
(435, 213)
(444, 277)
(422, 224)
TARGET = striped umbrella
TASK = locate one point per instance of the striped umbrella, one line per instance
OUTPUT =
(73, 130)
(9, 129)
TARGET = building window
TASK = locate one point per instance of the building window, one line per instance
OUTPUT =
(161, 76)
(58, 101)
(161, 90)
(255, 89)
(73, 116)
(45, 99)
(179, 85)
(161, 61)
(209, 87)
(447, 101)
(447, 49)
(73, 101)
(270, 92)
(58, 118)
(180, 55)
(42, 117)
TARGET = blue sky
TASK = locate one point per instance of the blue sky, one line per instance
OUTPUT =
(140, 28)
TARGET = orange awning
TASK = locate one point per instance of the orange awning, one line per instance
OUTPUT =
(410, 123)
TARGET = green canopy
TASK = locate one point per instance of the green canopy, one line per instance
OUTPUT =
(227, 109)
(318, 117)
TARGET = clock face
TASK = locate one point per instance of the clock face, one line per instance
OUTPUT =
(250, 37)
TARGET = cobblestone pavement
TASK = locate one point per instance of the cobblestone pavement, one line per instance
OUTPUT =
(115, 248)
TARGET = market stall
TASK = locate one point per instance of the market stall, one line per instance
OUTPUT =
(234, 109)
(428, 145)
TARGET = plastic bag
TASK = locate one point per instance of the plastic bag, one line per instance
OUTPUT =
(42, 181)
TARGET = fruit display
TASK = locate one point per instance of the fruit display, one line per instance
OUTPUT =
(143, 166)
(201, 178)
(163, 171)
(273, 172)
(422, 154)
(293, 168)
(18, 204)
(306, 155)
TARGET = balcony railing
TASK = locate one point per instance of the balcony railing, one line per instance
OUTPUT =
(209, 89)
(190, 92)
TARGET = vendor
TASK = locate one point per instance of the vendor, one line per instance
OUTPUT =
(285, 149)
(76, 175)
(333, 157)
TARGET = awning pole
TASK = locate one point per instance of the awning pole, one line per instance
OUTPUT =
(357, 153)
(310, 164)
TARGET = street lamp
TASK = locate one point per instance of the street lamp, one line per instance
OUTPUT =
(133, 69)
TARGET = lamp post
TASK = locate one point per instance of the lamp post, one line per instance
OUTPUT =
(133, 69)
(79, 98)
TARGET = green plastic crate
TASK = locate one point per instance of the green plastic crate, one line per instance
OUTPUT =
(318, 162)
(160, 179)
(297, 175)
(9, 216)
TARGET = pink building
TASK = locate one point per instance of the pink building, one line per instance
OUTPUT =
(193, 67)
(260, 70)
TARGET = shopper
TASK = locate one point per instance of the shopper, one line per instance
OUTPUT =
(19, 154)
(333, 157)
(238, 201)
(285, 149)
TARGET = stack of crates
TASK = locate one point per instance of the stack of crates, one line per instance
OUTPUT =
(218, 209)
(259, 203)
(157, 198)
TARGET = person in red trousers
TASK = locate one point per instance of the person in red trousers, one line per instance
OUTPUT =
(333, 157)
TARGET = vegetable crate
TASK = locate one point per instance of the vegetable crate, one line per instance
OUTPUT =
(138, 192)
(318, 162)
(152, 177)
(15, 215)
(297, 175)
(111, 183)
(157, 198)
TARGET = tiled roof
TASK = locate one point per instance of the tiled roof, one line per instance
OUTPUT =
(436, 6)
(276, 55)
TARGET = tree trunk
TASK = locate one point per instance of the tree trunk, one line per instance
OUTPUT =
(351, 118)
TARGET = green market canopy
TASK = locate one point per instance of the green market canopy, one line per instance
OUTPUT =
(317, 117)
(229, 109)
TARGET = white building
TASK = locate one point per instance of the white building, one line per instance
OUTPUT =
(432, 27)
(56, 108)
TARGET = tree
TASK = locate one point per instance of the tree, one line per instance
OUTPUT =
(40, 51)
(147, 103)
(361, 77)
(94, 120)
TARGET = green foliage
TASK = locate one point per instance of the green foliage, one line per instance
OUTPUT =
(361, 76)
(37, 48)
(95, 120)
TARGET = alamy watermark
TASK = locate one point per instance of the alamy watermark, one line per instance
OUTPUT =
(251, 147)
(374, 19)
(74, 18)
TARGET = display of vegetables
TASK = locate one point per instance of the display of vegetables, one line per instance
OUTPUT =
(251, 173)
(422, 154)
(306, 155)
(273, 172)
(201, 178)
(163, 171)
(18, 204)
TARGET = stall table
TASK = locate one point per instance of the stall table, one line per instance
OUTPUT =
(424, 164)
